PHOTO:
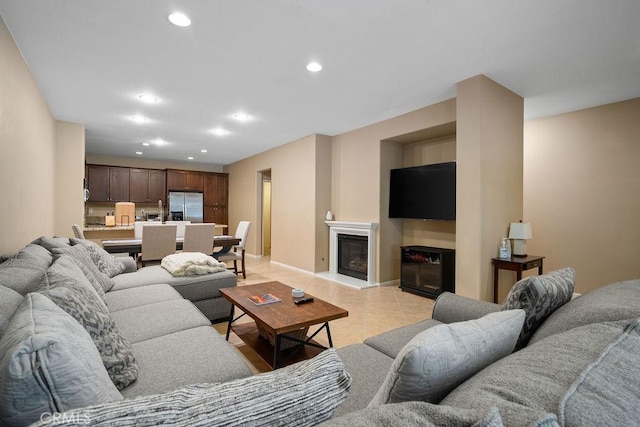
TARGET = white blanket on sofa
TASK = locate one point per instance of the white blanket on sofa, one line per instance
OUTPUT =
(191, 264)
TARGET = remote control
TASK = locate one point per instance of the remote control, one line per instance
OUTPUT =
(304, 300)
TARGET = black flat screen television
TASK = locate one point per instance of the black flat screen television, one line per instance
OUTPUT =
(424, 192)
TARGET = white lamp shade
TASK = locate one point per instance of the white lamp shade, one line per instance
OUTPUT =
(520, 230)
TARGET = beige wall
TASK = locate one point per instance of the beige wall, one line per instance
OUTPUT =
(360, 186)
(582, 192)
(27, 143)
(439, 234)
(297, 210)
(489, 179)
(69, 174)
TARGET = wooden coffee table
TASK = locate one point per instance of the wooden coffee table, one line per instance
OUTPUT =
(280, 324)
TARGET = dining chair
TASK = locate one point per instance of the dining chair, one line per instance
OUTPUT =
(157, 242)
(199, 238)
(181, 226)
(139, 225)
(241, 233)
(77, 231)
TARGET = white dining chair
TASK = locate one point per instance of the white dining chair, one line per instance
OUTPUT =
(180, 227)
(139, 225)
(157, 242)
(199, 238)
(238, 251)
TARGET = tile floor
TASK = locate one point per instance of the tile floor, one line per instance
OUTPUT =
(371, 311)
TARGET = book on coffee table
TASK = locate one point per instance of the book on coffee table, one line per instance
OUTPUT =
(264, 299)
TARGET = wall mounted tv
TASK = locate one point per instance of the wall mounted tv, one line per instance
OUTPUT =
(424, 192)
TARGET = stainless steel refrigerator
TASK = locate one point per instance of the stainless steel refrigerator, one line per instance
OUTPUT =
(186, 206)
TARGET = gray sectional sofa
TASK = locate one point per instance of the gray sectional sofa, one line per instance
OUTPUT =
(540, 359)
(172, 342)
(580, 366)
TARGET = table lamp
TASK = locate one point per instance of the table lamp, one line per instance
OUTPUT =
(520, 232)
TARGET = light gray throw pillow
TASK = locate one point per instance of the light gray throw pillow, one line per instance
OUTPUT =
(437, 360)
(539, 297)
(300, 395)
(49, 364)
(9, 301)
(67, 287)
(106, 263)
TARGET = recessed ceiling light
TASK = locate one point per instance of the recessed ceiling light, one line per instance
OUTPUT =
(189, 158)
(148, 98)
(159, 142)
(138, 152)
(146, 144)
(139, 119)
(314, 67)
(203, 151)
(219, 131)
(241, 117)
(179, 19)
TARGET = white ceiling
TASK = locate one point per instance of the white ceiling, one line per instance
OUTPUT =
(381, 58)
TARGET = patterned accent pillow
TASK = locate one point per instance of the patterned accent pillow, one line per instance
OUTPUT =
(106, 263)
(539, 296)
(80, 255)
(66, 286)
(440, 358)
(304, 394)
(43, 343)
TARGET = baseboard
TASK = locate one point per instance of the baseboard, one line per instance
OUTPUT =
(279, 264)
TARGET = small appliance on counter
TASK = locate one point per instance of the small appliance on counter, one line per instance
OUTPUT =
(125, 213)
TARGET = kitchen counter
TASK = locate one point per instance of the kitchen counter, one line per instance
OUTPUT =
(105, 228)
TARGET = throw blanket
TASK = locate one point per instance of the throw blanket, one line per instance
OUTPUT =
(191, 264)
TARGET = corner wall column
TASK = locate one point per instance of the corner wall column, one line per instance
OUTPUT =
(489, 153)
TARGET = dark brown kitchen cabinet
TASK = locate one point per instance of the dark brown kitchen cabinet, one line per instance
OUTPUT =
(157, 186)
(216, 195)
(178, 180)
(98, 183)
(146, 185)
(118, 184)
(107, 184)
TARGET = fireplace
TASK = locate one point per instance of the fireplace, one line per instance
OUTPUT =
(353, 255)
(367, 232)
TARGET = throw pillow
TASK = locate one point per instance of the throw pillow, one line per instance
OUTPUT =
(106, 263)
(437, 360)
(304, 394)
(49, 243)
(9, 302)
(67, 287)
(80, 255)
(23, 272)
(49, 364)
(539, 296)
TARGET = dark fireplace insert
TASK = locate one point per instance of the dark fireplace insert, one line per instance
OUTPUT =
(353, 255)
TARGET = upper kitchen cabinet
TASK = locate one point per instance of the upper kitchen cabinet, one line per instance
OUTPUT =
(216, 195)
(147, 185)
(179, 180)
(107, 184)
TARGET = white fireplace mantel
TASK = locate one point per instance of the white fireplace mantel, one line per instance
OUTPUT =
(357, 229)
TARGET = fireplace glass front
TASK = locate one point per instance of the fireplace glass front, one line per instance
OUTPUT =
(353, 255)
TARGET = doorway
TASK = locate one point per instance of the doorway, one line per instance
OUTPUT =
(266, 212)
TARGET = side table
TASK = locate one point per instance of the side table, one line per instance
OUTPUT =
(517, 264)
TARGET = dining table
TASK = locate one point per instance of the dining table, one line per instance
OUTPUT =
(222, 243)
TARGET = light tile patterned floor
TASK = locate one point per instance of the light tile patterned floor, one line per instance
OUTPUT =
(371, 311)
